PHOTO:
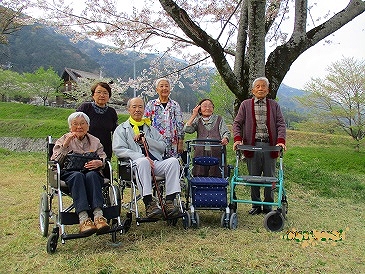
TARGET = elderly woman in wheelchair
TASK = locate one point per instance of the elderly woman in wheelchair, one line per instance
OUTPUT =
(85, 182)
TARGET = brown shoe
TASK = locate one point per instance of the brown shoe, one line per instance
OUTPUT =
(153, 211)
(101, 224)
(171, 209)
(87, 227)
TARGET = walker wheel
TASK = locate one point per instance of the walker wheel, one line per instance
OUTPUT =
(196, 222)
(284, 208)
(274, 221)
(44, 214)
(233, 221)
(225, 218)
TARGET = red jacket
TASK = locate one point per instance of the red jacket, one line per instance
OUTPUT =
(244, 125)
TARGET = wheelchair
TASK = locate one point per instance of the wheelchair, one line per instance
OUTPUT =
(126, 178)
(62, 213)
(207, 181)
(274, 220)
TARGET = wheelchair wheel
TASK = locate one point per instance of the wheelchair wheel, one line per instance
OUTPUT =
(172, 222)
(114, 224)
(233, 221)
(274, 221)
(127, 222)
(52, 243)
(186, 221)
(196, 222)
(44, 214)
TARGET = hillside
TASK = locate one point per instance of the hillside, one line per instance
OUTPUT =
(36, 46)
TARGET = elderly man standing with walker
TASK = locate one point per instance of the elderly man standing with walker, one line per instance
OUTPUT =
(260, 122)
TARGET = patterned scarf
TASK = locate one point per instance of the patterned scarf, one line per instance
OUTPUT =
(136, 124)
(99, 110)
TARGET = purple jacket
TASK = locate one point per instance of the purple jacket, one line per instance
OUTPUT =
(244, 125)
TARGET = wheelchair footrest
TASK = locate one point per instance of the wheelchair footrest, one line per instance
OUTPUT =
(180, 215)
(111, 230)
(74, 236)
(147, 220)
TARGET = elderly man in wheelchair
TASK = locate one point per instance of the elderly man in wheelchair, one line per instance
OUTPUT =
(137, 141)
(85, 185)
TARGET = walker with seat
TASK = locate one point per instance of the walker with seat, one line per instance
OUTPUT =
(274, 220)
(207, 181)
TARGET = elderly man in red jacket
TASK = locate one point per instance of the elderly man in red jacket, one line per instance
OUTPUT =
(259, 122)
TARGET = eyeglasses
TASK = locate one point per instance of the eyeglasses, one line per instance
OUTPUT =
(101, 93)
(82, 124)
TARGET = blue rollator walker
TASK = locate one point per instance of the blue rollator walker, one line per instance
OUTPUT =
(274, 220)
(207, 181)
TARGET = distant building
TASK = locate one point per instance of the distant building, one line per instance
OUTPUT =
(72, 76)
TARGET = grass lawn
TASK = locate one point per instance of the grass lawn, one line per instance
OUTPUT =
(324, 179)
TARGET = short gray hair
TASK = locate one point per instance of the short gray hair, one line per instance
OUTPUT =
(129, 101)
(162, 79)
(260, 79)
(78, 114)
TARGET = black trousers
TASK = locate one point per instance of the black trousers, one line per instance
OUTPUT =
(261, 164)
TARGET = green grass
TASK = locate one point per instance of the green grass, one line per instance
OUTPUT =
(21, 120)
(324, 179)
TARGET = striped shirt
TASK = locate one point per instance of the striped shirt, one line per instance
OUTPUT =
(260, 116)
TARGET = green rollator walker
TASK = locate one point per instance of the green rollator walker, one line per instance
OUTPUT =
(274, 220)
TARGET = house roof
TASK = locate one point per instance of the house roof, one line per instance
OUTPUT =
(76, 74)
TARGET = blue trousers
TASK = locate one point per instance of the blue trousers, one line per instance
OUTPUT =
(85, 188)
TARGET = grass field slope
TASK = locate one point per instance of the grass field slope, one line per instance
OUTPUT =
(324, 232)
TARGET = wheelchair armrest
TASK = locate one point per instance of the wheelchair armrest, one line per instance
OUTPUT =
(53, 173)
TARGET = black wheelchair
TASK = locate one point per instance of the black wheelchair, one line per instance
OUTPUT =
(62, 213)
(127, 179)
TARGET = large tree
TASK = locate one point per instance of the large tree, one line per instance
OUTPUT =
(230, 33)
(43, 83)
(339, 98)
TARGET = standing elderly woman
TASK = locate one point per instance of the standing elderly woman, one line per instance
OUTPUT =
(85, 187)
(166, 117)
(103, 118)
(208, 126)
